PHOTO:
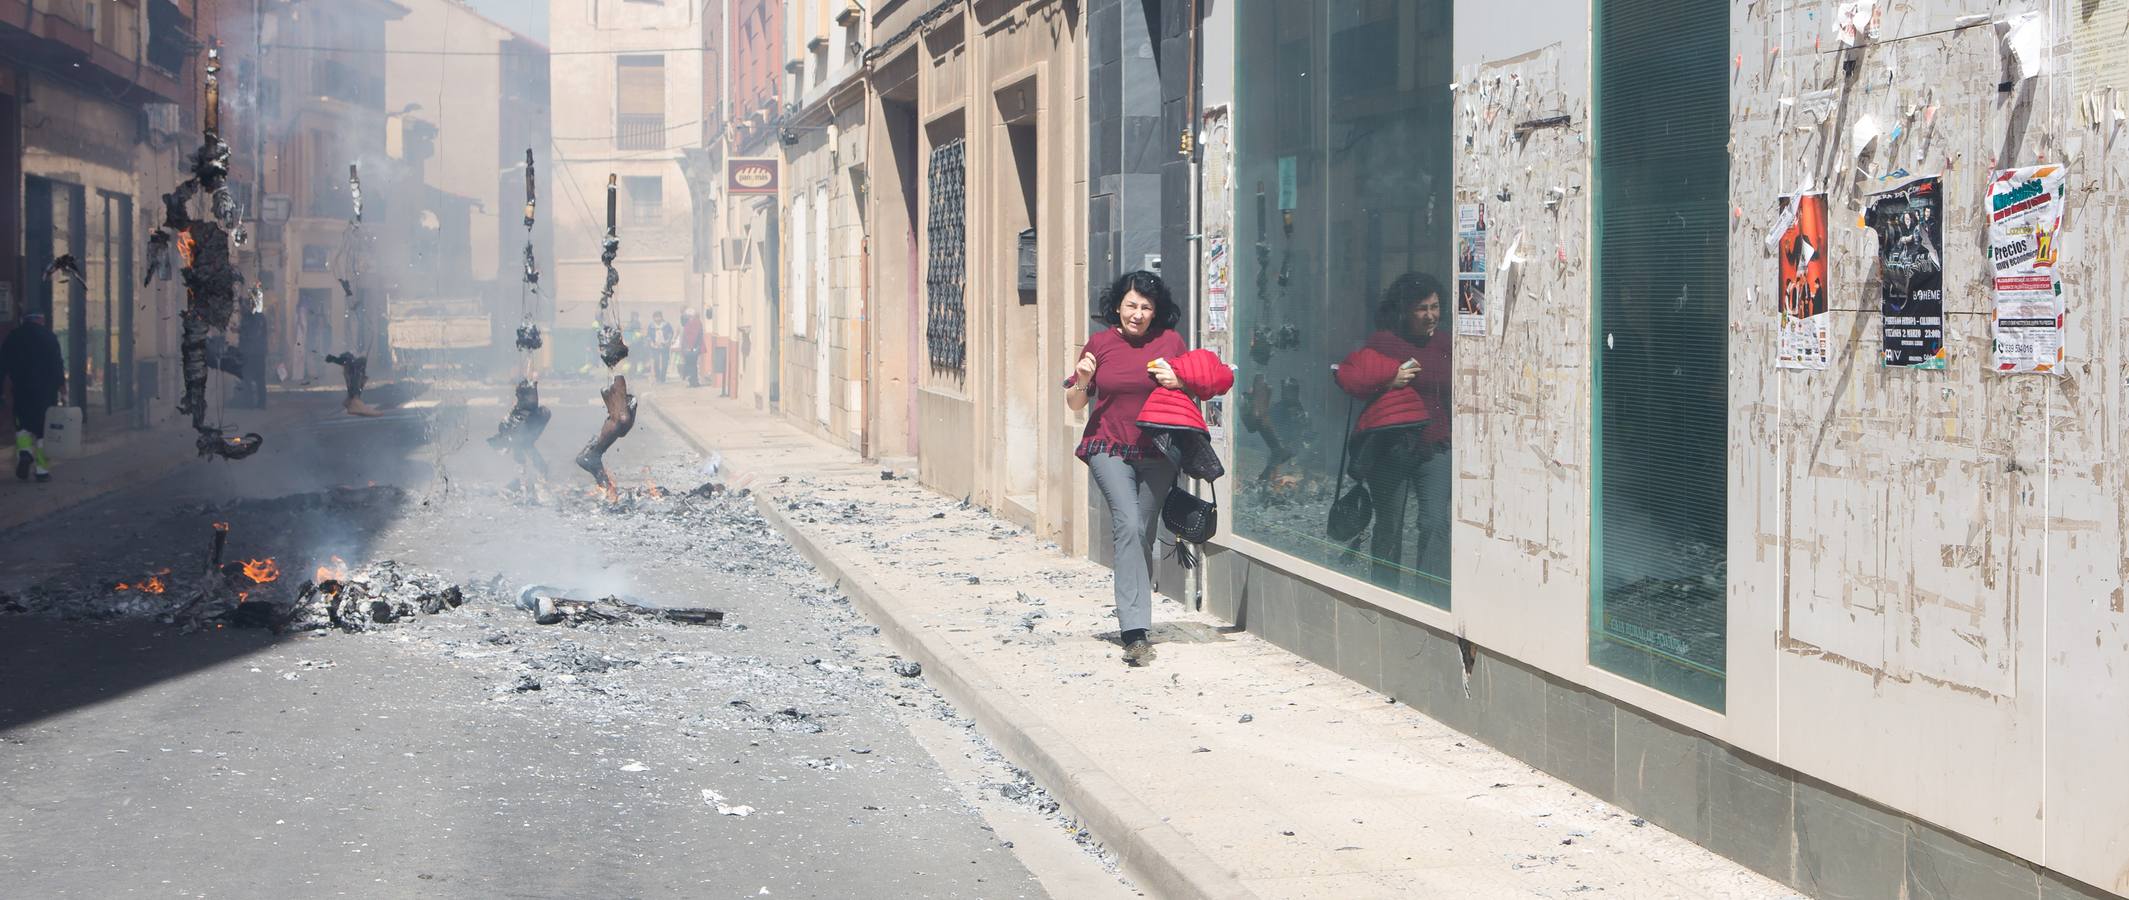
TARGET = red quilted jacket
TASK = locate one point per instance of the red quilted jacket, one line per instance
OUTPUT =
(1203, 375)
(1366, 376)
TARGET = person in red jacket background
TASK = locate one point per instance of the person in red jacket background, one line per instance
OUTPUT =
(1119, 368)
(1400, 442)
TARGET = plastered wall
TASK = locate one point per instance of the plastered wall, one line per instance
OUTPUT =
(1939, 554)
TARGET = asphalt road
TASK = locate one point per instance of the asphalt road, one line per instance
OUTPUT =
(417, 760)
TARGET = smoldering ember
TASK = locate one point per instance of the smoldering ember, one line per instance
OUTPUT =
(1062, 448)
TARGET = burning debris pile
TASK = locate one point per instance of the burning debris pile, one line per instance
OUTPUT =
(379, 594)
(211, 279)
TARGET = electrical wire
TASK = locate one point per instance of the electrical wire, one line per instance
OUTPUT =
(312, 48)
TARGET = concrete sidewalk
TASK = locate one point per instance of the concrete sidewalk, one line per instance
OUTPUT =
(122, 458)
(1229, 768)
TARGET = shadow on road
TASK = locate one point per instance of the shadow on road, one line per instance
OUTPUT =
(327, 487)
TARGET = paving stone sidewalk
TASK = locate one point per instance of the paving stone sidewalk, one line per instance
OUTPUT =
(1230, 767)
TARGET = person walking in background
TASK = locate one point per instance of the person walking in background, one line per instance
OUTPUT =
(30, 361)
(661, 335)
(1118, 369)
(1400, 444)
(691, 346)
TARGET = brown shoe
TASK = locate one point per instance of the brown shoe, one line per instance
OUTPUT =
(1138, 653)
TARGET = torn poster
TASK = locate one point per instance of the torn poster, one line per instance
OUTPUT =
(1471, 268)
(2024, 37)
(1805, 320)
(1909, 220)
(1218, 198)
(2025, 215)
(1858, 21)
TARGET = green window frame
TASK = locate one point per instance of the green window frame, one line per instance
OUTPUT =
(1660, 408)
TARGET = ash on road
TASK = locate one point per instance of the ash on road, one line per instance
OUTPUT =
(472, 752)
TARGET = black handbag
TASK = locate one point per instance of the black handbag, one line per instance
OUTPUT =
(1189, 517)
(1353, 510)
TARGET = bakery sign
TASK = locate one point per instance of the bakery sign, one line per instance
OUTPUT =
(750, 176)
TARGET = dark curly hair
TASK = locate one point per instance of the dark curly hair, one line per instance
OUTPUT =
(1146, 284)
(1403, 296)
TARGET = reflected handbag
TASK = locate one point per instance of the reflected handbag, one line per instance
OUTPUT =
(1353, 510)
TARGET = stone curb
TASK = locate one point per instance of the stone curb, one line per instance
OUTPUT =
(1158, 858)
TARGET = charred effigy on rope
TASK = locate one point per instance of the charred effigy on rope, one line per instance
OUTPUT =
(211, 280)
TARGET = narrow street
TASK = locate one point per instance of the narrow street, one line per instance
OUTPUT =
(474, 752)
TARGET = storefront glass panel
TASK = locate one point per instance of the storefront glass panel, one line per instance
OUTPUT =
(1343, 283)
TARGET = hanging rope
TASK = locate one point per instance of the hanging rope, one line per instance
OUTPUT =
(620, 404)
(354, 362)
(520, 430)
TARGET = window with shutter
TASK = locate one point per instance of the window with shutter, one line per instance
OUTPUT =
(639, 102)
(1659, 589)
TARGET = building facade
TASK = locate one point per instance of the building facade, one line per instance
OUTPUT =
(319, 105)
(628, 95)
(744, 168)
(467, 98)
(1760, 527)
(823, 142)
(978, 295)
(98, 105)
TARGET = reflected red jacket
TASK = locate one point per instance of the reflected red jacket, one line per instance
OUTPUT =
(1203, 376)
(1366, 376)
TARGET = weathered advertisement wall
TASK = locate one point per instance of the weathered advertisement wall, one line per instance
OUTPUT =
(1922, 551)
(1938, 553)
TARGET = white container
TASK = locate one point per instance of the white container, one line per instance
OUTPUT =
(62, 432)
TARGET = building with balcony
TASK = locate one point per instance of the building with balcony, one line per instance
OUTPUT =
(628, 102)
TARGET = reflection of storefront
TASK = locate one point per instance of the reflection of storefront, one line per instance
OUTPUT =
(1342, 192)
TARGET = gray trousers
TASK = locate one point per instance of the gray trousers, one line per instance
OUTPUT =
(1134, 491)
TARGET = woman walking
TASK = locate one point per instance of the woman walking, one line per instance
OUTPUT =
(1119, 368)
(1400, 444)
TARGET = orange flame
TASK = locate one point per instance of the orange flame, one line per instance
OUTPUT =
(154, 585)
(336, 572)
(121, 586)
(185, 246)
(261, 571)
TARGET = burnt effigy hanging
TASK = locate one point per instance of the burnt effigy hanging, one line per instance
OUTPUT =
(202, 248)
(620, 404)
(354, 362)
(520, 431)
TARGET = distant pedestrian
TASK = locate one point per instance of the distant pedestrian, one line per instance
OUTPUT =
(691, 346)
(1119, 370)
(30, 361)
(661, 335)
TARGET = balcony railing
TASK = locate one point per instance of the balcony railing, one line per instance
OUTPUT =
(639, 131)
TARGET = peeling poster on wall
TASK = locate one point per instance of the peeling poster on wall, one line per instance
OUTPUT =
(2025, 214)
(1471, 268)
(1805, 320)
(1909, 220)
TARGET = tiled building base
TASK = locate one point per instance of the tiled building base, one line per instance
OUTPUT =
(1818, 839)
